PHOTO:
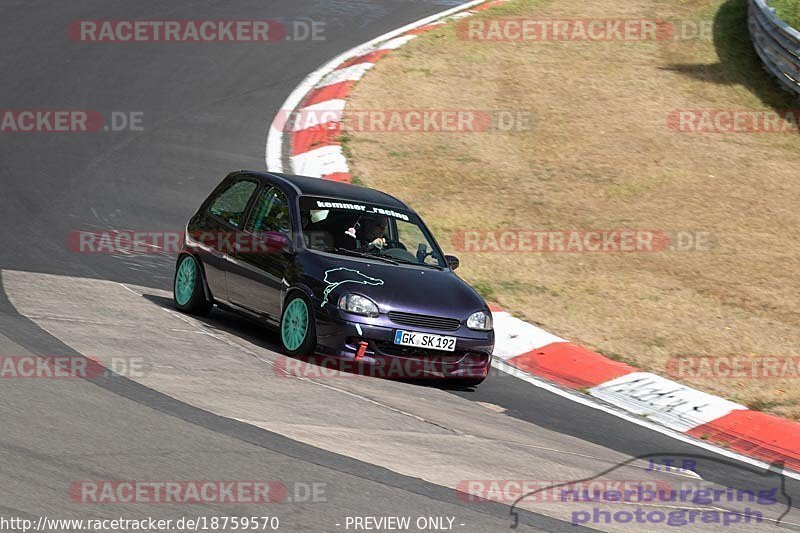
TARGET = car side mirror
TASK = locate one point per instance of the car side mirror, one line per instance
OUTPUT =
(422, 252)
(452, 261)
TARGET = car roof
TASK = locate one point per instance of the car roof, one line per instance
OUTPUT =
(305, 185)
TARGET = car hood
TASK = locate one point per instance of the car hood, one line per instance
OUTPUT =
(400, 288)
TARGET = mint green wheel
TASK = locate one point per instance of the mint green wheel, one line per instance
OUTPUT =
(185, 280)
(297, 326)
(188, 287)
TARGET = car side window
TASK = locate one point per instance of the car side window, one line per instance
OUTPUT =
(270, 213)
(231, 204)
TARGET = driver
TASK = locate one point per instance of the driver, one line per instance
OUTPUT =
(371, 230)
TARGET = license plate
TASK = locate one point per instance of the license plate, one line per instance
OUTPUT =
(425, 340)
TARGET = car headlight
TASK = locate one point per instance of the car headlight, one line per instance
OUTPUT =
(481, 321)
(358, 305)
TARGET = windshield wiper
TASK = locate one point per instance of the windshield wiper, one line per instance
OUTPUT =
(356, 253)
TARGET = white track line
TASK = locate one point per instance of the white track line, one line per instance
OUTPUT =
(587, 401)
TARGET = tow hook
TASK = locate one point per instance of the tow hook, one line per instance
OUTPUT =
(362, 349)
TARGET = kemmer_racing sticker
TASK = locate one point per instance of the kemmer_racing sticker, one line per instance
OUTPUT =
(320, 204)
(342, 275)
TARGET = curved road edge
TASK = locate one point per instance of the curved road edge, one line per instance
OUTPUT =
(29, 334)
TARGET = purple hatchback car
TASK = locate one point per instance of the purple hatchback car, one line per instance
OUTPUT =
(344, 272)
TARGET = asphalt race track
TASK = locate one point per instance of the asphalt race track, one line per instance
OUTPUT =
(212, 400)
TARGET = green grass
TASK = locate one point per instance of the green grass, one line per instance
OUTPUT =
(787, 10)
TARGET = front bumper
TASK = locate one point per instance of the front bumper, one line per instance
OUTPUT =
(341, 336)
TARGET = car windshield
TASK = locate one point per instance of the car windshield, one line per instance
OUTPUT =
(356, 229)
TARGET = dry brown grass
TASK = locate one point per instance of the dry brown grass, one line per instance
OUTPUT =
(601, 156)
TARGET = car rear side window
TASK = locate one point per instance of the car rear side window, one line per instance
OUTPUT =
(270, 212)
(231, 204)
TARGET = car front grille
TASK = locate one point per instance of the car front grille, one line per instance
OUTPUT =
(424, 321)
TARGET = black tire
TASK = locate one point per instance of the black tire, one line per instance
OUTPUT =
(293, 342)
(190, 298)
